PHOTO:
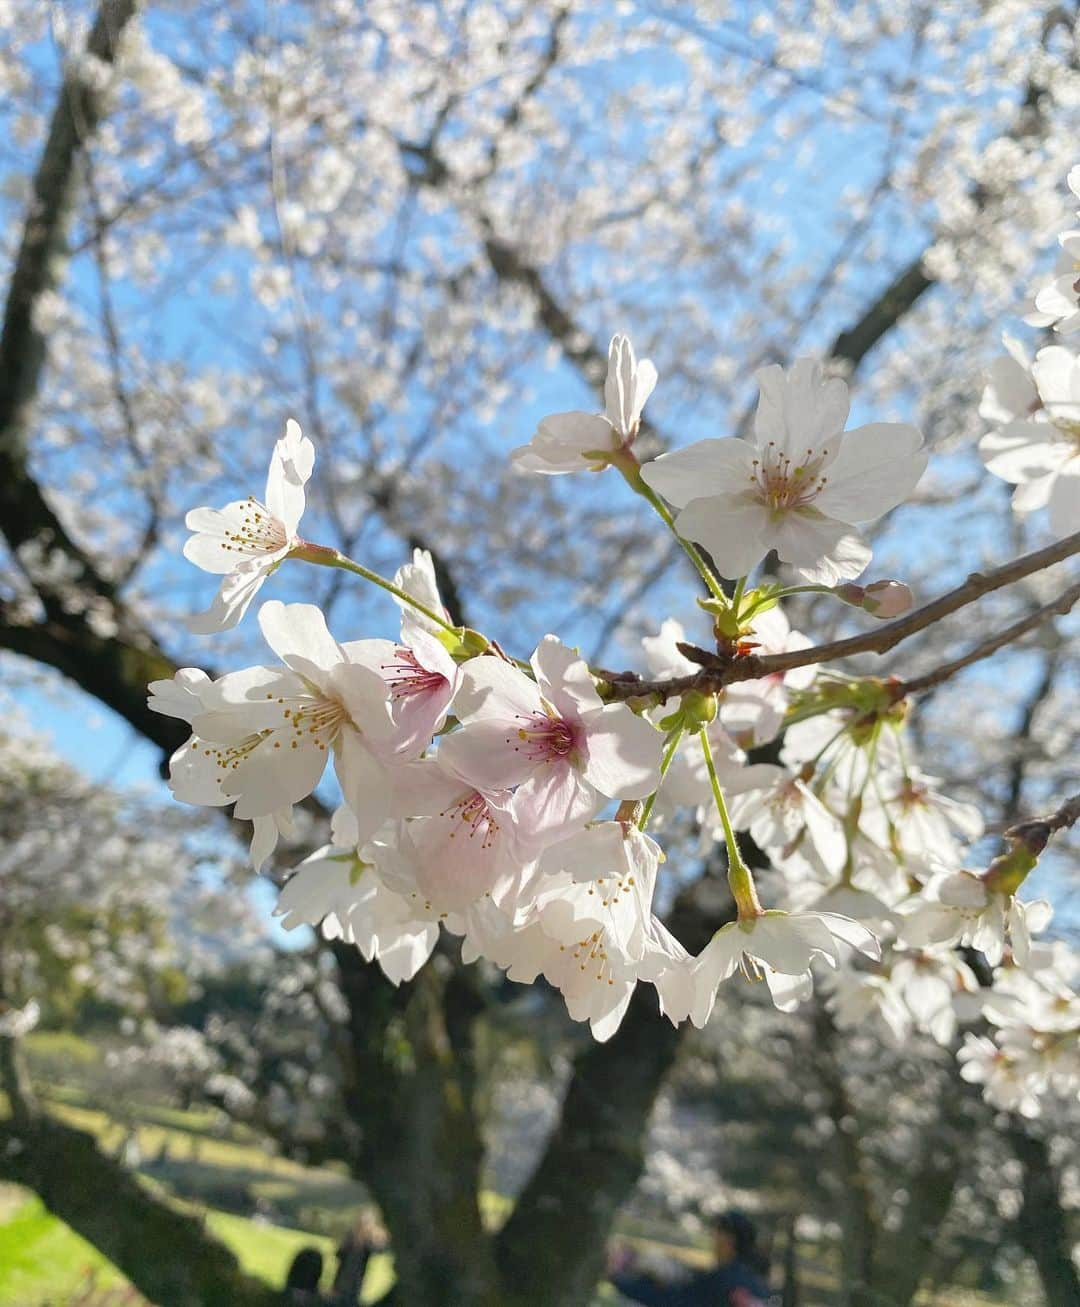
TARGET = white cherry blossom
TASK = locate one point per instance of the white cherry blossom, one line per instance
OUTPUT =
(265, 734)
(960, 908)
(338, 891)
(1038, 447)
(777, 947)
(799, 487)
(248, 539)
(577, 442)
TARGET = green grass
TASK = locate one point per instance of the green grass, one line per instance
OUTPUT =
(42, 1261)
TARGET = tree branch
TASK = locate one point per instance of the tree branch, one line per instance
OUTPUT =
(1056, 608)
(727, 670)
(28, 519)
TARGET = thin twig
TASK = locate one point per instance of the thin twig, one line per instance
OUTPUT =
(728, 669)
(1056, 608)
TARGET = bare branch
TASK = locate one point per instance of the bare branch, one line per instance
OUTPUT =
(39, 264)
(727, 670)
(1056, 608)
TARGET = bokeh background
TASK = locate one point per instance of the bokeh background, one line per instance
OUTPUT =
(413, 227)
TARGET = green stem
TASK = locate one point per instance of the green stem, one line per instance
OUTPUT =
(736, 598)
(740, 877)
(773, 595)
(630, 469)
(670, 749)
(328, 557)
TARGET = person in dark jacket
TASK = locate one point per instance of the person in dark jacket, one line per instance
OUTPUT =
(302, 1281)
(739, 1278)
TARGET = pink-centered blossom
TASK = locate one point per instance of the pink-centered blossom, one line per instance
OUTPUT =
(799, 487)
(553, 740)
(421, 680)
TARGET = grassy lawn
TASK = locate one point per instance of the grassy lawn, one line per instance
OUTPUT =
(43, 1261)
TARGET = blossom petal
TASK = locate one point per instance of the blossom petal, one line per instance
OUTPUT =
(365, 783)
(485, 753)
(788, 992)
(564, 680)
(704, 468)
(821, 549)
(561, 442)
(297, 633)
(733, 527)
(624, 753)
(875, 468)
(555, 801)
(290, 469)
(1064, 502)
(799, 409)
(493, 688)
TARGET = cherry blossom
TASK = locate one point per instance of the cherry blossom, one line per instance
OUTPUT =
(265, 734)
(459, 845)
(961, 908)
(248, 539)
(777, 947)
(418, 580)
(589, 927)
(335, 889)
(1038, 447)
(1059, 303)
(576, 442)
(553, 739)
(780, 810)
(421, 679)
(799, 488)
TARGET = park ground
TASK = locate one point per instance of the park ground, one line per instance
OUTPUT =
(264, 1207)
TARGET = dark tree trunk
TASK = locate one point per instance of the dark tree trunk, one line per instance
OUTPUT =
(410, 1095)
(167, 1254)
(1041, 1225)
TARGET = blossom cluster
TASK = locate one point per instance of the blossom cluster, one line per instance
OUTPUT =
(1034, 404)
(510, 802)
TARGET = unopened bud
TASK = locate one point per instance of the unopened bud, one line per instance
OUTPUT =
(880, 599)
(697, 709)
(888, 599)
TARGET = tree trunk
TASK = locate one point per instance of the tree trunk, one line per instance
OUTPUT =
(409, 1092)
(1041, 1225)
(167, 1254)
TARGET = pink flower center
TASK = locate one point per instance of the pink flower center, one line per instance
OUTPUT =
(475, 817)
(260, 532)
(783, 485)
(544, 738)
(406, 676)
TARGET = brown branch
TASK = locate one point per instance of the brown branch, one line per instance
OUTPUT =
(1035, 833)
(722, 671)
(1056, 608)
(28, 519)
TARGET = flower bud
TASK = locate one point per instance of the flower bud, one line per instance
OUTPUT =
(881, 599)
(697, 709)
(888, 599)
